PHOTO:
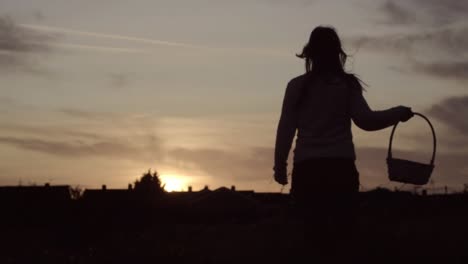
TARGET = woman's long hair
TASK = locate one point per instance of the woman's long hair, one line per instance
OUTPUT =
(324, 56)
(323, 53)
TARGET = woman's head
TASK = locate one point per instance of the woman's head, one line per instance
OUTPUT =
(324, 53)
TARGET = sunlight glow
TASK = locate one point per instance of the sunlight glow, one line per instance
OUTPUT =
(172, 183)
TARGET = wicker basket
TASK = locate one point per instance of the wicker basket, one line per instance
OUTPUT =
(406, 171)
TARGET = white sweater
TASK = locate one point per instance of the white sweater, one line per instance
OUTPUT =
(321, 111)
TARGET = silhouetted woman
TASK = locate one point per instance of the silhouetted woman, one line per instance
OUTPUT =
(320, 105)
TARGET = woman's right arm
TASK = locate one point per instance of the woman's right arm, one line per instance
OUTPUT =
(370, 120)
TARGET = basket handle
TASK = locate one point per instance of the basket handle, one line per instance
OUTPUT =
(433, 136)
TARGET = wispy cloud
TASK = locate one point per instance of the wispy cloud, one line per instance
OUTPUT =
(396, 14)
(424, 12)
(453, 112)
(432, 37)
(251, 165)
(17, 43)
(17, 39)
(35, 131)
(449, 120)
(119, 80)
(81, 144)
(70, 149)
(300, 3)
(254, 166)
(452, 41)
(83, 133)
(41, 28)
(86, 114)
(455, 70)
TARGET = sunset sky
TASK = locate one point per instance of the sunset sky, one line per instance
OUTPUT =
(97, 92)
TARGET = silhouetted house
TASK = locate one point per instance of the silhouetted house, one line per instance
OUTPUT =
(271, 198)
(34, 204)
(190, 198)
(35, 196)
(224, 201)
(181, 199)
(205, 202)
(105, 197)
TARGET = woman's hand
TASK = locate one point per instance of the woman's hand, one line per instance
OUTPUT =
(405, 113)
(281, 177)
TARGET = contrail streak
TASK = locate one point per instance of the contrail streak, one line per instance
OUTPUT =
(262, 52)
(97, 48)
(111, 36)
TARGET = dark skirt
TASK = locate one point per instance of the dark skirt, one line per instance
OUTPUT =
(324, 191)
(325, 183)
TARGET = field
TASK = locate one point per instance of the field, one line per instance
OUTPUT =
(432, 228)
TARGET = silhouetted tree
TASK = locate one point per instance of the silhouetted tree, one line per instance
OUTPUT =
(76, 192)
(149, 184)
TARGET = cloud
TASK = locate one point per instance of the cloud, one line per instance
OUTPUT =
(17, 39)
(119, 80)
(448, 48)
(251, 165)
(448, 41)
(447, 70)
(452, 112)
(87, 134)
(433, 41)
(54, 132)
(41, 28)
(147, 148)
(88, 115)
(123, 139)
(20, 39)
(396, 14)
(69, 149)
(451, 126)
(424, 12)
(38, 16)
(17, 43)
(255, 165)
(301, 3)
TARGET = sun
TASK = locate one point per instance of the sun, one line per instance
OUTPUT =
(172, 183)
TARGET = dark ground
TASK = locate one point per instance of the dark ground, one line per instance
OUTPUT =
(432, 229)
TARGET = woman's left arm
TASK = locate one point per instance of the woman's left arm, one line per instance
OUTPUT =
(286, 131)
